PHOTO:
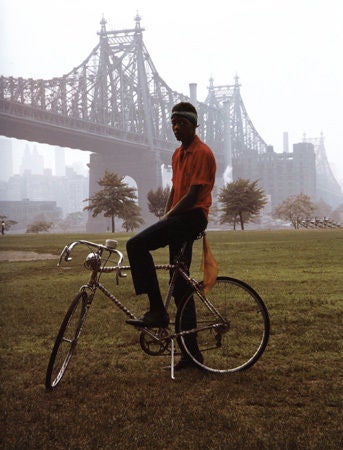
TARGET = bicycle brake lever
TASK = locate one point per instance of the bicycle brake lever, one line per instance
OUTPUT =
(67, 256)
(119, 274)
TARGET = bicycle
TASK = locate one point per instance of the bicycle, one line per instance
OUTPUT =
(232, 328)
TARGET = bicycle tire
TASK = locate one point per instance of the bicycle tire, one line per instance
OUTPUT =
(66, 340)
(232, 336)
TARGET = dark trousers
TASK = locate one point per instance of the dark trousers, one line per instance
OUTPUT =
(172, 231)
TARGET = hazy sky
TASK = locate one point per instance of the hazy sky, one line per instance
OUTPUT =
(288, 54)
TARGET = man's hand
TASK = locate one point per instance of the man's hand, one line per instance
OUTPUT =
(185, 203)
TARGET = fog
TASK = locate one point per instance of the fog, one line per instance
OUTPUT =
(286, 54)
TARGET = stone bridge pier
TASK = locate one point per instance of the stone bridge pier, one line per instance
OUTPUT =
(139, 163)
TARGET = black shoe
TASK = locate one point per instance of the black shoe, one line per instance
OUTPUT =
(151, 319)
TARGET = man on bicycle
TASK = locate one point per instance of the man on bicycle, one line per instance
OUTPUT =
(186, 213)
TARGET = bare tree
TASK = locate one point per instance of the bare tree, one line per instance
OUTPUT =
(132, 218)
(157, 201)
(296, 208)
(38, 226)
(8, 222)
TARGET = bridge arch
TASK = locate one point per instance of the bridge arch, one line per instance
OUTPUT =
(142, 170)
(116, 105)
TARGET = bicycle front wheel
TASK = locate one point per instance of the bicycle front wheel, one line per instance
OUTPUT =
(66, 340)
(232, 326)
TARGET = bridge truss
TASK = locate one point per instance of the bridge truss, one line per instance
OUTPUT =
(117, 95)
(117, 91)
(328, 188)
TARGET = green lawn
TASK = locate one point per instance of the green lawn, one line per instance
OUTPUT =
(114, 396)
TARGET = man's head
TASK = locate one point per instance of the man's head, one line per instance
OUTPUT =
(184, 120)
(186, 110)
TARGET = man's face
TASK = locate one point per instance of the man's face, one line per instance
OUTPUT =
(183, 129)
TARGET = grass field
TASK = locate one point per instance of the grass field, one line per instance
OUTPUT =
(114, 396)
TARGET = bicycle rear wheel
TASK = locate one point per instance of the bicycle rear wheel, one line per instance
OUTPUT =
(232, 327)
(66, 340)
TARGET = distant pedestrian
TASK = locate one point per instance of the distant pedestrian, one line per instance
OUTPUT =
(2, 227)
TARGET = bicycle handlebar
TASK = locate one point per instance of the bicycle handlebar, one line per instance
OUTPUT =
(69, 247)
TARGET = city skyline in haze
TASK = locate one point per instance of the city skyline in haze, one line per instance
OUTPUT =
(76, 159)
(286, 54)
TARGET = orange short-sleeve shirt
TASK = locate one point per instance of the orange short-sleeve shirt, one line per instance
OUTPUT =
(196, 166)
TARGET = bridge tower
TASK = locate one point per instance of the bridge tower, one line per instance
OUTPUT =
(125, 158)
(328, 188)
(116, 106)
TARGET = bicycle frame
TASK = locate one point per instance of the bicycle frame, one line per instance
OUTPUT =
(93, 262)
(238, 303)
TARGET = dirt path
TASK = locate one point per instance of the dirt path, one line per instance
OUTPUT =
(12, 255)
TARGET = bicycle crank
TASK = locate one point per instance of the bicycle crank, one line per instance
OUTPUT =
(154, 342)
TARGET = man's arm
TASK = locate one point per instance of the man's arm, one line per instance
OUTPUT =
(169, 200)
(185, 203)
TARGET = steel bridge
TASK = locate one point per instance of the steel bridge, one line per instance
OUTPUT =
(116, 105)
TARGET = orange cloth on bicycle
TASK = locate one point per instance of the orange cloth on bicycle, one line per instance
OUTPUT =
(195, 166)
(209, 266)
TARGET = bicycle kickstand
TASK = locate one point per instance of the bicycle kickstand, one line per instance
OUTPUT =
(172, 360)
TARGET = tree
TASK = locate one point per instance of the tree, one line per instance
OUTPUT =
(39, 226)
(295, 209)
(8, 222)
(157, 200)
(115, 197)
(72, 220)
(132, 218)
(242, 201)
(214, 214)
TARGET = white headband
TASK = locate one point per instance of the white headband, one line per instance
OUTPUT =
(191, 116)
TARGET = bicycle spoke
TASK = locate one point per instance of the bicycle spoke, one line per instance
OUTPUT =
(66, 340)
(232, 339)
